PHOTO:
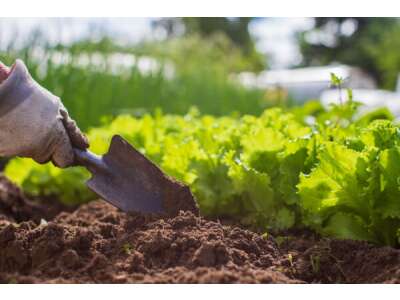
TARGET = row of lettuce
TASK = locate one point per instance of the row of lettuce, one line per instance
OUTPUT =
(338, 177)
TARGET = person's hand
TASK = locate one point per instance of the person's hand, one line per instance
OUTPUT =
(33, 122)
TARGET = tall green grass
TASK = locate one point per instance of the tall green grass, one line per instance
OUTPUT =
(92, 93)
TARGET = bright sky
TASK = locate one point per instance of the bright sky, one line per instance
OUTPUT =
(275, 36)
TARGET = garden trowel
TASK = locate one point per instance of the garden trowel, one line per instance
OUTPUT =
(128, 180)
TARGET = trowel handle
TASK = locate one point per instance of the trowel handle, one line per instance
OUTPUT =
(89, 160)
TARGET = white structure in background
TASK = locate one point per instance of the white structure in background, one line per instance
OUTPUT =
(304, 84)
(314, 83)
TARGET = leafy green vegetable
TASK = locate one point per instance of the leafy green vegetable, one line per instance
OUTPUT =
(354, 192)
(273, 171)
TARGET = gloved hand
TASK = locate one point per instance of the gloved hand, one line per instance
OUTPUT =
(33, 122)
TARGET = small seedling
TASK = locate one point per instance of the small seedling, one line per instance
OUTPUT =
(290, 258)
(127, 248)
(336, 80)
(343, 112)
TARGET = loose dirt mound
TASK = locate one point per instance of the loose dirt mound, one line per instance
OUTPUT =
(97, 243)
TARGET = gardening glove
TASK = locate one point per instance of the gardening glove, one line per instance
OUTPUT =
(33, 122)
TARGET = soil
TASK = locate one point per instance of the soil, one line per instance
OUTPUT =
(96, 243)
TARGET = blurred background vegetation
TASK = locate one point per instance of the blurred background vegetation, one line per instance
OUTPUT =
(190, 70)
(369, 43)
(194, 64)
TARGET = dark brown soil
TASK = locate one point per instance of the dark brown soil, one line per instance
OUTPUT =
(16, 207)
(96, 243)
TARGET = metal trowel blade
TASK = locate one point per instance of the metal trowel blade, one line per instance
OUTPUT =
(131, 182)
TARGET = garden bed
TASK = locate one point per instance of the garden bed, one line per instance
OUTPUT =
(95, 243)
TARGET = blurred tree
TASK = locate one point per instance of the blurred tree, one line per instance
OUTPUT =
(215, 54)
(236, 29)
(370, 43)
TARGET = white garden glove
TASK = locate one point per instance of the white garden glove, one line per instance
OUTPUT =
(33, 122)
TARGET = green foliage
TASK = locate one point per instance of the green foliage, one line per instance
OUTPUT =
(369, 43)
(353, 191)
(235, 166)
(385, 56)
(235, 32)
(201, 78)
(214, 53)
(272, 171)
(336, 80)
